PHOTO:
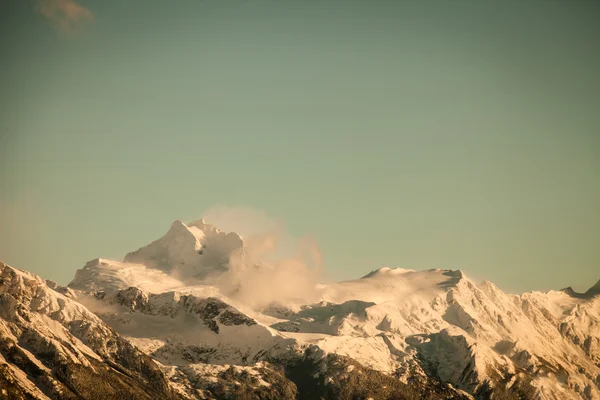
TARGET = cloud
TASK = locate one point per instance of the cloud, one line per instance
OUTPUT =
(272, 267)
(67, 16)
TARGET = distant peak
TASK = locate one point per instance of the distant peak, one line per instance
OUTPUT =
(594, 290)
(190, 250)
(569, 290)
(591, 292)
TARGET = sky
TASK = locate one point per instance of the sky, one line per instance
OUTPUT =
(457, 135)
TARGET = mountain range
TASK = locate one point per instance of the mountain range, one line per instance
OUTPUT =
(199, 314)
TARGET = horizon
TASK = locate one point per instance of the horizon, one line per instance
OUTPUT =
(458, 136)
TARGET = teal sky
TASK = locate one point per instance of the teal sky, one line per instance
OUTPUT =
(430, 134)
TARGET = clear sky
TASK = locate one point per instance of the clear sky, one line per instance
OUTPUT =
(426, 134)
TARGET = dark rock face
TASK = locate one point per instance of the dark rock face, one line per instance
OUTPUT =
(209, 310)
(594, 290)
(195, 354)
(590, 293)
(230, 317)
(313, 375)
(232, 385)
(10, 386)
(133, 298)
(212, 310)
(287, 326)
(279, 311)
(335, 377)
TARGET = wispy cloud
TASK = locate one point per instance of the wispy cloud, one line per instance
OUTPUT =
(67, 16)
(291, 268)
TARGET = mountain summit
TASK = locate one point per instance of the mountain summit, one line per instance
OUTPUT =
(194, 250)
(594, 290)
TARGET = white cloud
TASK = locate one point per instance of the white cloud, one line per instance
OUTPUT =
(294, 266)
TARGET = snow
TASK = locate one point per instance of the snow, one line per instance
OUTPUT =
(109, 275)
(194, 250)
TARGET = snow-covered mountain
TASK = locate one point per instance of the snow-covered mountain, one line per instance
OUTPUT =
(194, 250)
(53, 347)
(180, 307)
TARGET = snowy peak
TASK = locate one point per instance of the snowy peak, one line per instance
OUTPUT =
(194, 250)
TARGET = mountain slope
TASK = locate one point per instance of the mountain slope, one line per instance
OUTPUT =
(52, 346)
